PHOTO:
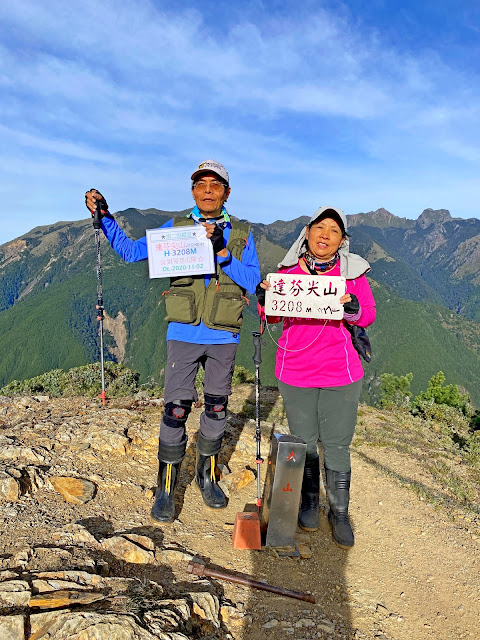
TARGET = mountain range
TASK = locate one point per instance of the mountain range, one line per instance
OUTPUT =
(425, 274)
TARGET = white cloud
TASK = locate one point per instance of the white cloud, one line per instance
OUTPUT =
(132, 93)
(57, 147)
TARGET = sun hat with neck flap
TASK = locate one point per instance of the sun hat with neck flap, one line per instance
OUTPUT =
(351, 265)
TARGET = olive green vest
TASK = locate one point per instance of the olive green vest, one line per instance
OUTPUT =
(220, 304)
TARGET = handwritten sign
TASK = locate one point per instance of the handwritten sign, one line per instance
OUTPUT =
(305, 296)
(179, 251)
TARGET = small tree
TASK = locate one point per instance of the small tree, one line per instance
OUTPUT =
(439, 393)
(447, 407)
(395, 390)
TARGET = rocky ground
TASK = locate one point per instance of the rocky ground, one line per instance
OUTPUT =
(81, 558)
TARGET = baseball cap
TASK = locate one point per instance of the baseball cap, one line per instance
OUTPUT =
(327, 212)
(214, 167)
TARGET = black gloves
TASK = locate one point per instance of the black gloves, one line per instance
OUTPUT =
(98, 199)
(353, 306)
(217, 239)
(260, 293)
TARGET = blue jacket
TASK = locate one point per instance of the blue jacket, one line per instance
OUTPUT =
(245, 273)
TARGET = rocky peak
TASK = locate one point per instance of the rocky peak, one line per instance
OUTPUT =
(379, 218)
(382, 213)
(433, 216)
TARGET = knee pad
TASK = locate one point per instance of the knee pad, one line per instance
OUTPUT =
(215, 406)
(176, 413)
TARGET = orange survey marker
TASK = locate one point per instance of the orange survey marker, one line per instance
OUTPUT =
(246, 531)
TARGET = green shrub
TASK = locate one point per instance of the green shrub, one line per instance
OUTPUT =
(51, 383)
(439, 393)
(199, 379)
(395, 390)
(451, 422)
(86, 381)
(80, 381)
(242, 376)
(441, 404)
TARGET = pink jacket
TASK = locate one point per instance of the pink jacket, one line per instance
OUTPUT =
(319, 353)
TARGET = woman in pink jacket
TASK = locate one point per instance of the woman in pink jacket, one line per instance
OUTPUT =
(319, 371)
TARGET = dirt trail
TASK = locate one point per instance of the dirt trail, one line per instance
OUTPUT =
(413, 573)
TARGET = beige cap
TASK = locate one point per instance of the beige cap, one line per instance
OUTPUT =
(214, 167)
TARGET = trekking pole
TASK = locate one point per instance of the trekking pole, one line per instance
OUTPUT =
(99, 306)
(257, 359)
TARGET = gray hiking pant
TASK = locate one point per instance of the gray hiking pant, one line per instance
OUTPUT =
(328, 414)
(183, 362)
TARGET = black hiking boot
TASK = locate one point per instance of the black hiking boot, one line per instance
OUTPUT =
(163, 510)
(308, 514)
(338, 491)
(205, 475)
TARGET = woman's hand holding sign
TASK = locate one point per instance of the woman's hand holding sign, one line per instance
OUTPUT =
(349, 301)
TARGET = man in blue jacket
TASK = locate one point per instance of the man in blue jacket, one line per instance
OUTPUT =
(204, 315)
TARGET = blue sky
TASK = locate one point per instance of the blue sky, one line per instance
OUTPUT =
(305, 103)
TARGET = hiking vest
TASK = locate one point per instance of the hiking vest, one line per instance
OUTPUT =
(220, 304)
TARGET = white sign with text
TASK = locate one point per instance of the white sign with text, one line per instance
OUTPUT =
(305, 296)
(179, 251)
